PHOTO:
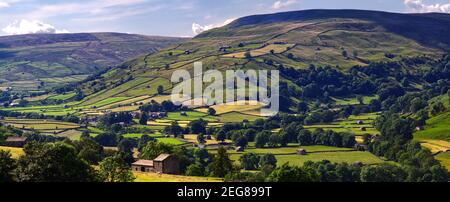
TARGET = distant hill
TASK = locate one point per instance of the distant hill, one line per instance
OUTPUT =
(38, 61)
(339, 39)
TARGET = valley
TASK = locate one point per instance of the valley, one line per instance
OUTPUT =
(362, 91)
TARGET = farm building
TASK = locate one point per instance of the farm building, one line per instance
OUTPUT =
(239, 149)
(15, 141)
(143, 166)
(164, 163)
(301, 152)
(157, 115)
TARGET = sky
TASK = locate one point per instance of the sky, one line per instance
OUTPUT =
(181, 18)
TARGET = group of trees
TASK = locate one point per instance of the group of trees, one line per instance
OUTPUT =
(328, 138)
(395, 143)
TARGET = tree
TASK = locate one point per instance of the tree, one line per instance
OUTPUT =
(268, 160)
(437, 108)
(249, 161)
(262, 139)
(305, 138)
(382, 173)
(174, 129)
(154, 149)
(241, 141)
(106, 139)
(89, 150)
(7, 165)
(115, 169)
(221, 164)
(221, 136)
(275, 140)
(287, 173)
(198, 126)
(143, 119)
(195, 169)
(160, 89)
(201, 139)
(211, 111)
(53, 162)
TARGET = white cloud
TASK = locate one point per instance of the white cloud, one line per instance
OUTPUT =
(421, 7)
(92, 7)
(31, 27)
(197, 28)
(4, 4)
(281, 4)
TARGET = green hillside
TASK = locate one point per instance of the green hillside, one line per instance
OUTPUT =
(335, 38)
(41, 61)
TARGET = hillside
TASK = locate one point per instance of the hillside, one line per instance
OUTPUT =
(354, 53)
(40, 61)
(341, 39)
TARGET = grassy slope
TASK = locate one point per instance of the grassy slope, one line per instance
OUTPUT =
(318, 39)
(26, 60)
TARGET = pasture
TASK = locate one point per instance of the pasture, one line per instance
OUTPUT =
(276, 48)
(156, 177)
(444, 158)
(15, 152)
(350, 125)
(315, 153)
(193, 139)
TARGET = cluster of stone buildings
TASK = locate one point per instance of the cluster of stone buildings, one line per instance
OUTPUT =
(164, 163)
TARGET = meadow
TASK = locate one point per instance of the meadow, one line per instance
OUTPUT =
(156, 177)
(15, 152)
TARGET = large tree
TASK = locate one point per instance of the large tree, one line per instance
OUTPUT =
(154, 149)
(221, 164)
(115, 169)
(7, 165)
(53, 162)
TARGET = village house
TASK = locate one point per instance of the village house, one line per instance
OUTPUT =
(164, 163)
(15, 141)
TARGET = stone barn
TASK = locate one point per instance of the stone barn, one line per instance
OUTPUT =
(143, 166)
(301, 152)
(164, 163)
(15, 141)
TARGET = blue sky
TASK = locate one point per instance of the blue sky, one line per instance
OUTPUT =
(168, 17)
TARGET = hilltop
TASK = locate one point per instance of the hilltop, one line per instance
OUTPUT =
(37, 62)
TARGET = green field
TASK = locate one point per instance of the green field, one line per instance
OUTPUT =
(315, 153)
(350, 125)
(41, 125)
(444, 158)
(437, 128)
(236, 117)
(15, 152)
(354, 100)
(155, 177)
(172, 141)
(61, 96)
(190, 116)
(337, 157)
